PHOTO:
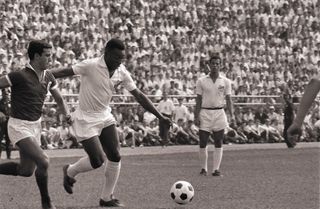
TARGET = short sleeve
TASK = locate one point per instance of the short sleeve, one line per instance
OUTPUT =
(51, 80)
(127, 80)
(81, 68)
(15, 78)
(199, 89)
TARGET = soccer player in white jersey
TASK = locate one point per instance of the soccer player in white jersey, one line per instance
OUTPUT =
(310, 93)
(213, 91)
(93, 123)
(29, 87)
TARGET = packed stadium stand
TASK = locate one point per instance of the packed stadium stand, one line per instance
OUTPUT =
(267, 48)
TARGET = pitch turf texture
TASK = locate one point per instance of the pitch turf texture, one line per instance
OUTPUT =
(273, 178)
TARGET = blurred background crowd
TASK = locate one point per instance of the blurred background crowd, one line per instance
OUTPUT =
(264, 45)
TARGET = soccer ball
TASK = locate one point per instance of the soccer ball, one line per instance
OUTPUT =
(182, 192)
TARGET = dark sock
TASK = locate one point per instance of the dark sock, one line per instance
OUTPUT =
(9, 168)
(42, 182)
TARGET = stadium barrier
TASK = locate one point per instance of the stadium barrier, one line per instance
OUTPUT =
(252, 100)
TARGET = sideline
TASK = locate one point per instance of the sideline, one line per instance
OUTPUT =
(158, 150)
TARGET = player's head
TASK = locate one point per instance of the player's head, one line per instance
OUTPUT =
(40, 52)
(215, 64)
(114, 53)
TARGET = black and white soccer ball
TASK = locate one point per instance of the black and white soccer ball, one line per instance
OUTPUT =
(182, 192)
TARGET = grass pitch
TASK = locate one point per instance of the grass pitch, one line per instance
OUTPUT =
(273, 178)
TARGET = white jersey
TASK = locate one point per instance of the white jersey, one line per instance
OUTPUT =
(213, 94)
(166, 107)
(96, 87)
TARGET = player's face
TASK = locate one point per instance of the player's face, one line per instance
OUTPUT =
(215, 66)
(114, 58)
(45, 59)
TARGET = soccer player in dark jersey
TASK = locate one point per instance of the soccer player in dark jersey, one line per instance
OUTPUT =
(310, 93)
(29, 87)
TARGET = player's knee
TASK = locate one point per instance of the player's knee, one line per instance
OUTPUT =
(43, 163)
(114, 157)
(218, 143)
(27, 172)
(97, 162)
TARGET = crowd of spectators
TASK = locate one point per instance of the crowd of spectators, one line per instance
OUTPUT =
(263, 44)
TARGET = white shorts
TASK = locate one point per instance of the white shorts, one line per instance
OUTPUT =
(213, 120)
(20, 129)
(89, 124)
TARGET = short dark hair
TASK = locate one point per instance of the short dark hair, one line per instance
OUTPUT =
(114, 43)
(215, 57)
(37, 47)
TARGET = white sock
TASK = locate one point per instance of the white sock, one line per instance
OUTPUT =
(217, 157)
(112, 172)
(81, 166)
(203, 156)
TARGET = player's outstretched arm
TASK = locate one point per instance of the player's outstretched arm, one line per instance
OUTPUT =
(62, 72)
(308, 97)
(4, 82)
(146, 103)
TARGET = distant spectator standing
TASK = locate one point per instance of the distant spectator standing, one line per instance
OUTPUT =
(288, 116)
(166, 108)
(180, 111)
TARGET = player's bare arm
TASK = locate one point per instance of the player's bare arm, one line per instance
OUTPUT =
(308, 97)
(197, 109)
(62, 72)
(230, 107)
(61, 103)
(146, 103)
(4, 82)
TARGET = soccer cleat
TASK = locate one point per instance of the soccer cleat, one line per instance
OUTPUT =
(67, 180)
(291, 142)
(110, 203)
(48, 205)
(203, 172)
(216, 173)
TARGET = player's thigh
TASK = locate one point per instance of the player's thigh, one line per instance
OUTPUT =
(94, 150)
(31, 154)
(110, 143)
(218, 137)
(26, 166)
(203, 137)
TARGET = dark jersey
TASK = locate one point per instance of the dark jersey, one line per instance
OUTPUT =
(28, 93)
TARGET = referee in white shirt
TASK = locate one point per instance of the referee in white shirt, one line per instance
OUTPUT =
(213, 91)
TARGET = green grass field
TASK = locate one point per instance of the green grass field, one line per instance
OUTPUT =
(253, 178)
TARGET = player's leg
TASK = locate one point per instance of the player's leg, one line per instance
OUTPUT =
(94, 159)
(218, 151)
(31, 154)
(161, 133)
(203, 151)
(7, 141)
(110, 142)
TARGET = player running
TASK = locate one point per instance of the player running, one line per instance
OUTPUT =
(308, 97)
(94, 125)
(29, 88)
(212, 92)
